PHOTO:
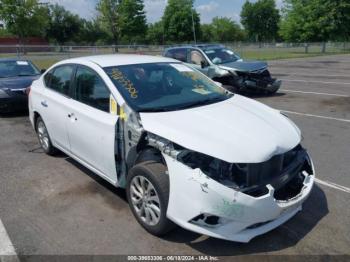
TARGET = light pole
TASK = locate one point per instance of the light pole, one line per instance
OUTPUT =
(193, 28)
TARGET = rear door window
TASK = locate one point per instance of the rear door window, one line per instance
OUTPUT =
(91, 90)
(60, 79)
(178, 54)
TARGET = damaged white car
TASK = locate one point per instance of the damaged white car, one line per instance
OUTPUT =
(187, 151)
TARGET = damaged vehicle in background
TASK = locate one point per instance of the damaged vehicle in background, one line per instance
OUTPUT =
(188, 152)
(226, 67)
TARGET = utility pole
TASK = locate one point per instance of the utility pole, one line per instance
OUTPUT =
(193, 27)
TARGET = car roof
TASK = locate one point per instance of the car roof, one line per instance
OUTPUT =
(198, 46)
(210, 46)
(121, 59)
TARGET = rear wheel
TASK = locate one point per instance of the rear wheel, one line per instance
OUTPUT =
(44, 138)
(148, 196)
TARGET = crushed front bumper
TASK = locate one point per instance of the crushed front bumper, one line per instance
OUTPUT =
(235, 216)
(259, 86)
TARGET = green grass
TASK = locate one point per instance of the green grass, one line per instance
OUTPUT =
(282, 54)
(44, 63)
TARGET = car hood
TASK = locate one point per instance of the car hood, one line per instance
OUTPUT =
(244, 66)
(17, 82)
(237, 130)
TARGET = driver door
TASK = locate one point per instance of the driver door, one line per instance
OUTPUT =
(196, 59)
(91, 126)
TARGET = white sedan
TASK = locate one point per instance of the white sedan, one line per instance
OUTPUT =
(187, 151)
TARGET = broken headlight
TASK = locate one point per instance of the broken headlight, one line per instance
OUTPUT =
(214, 168)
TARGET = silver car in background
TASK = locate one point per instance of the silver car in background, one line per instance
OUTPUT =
(228, 68)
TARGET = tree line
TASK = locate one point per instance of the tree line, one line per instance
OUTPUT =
(124, 22)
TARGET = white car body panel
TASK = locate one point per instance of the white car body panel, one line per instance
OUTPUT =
(55, 116)
(92, 137)
(238, 130)
(250, 131)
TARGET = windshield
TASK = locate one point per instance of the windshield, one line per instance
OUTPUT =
(157, 87)
(221, 55)
(17, 68)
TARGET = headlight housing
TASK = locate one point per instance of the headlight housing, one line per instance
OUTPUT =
(214, 168)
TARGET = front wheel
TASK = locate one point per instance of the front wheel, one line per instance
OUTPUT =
(148, 196)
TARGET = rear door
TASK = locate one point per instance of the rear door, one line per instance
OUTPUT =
(91, 126)
(54, 102)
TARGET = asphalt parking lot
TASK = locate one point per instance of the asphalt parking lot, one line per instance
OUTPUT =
(54, 206)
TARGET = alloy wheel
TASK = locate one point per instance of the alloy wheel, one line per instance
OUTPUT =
(145, 200)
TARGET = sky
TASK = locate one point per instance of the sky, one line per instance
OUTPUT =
(208, 9)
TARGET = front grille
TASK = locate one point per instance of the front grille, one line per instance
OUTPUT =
(20, 92)
(261, 77)
(280, 171)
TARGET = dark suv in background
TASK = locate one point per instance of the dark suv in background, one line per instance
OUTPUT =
(225, 66)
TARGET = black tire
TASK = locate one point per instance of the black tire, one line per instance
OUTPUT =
(155, 173)
(149, 154)
(48, 148)
(272, 92)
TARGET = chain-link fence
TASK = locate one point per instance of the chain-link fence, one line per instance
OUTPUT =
(44, 56)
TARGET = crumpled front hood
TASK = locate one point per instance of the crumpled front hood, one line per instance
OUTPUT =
(17, 82)
(244, 66)
(238, 130)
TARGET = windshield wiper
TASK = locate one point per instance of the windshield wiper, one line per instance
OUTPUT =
(185, 106)
(26, 75)
(204, 102)
(155, 110)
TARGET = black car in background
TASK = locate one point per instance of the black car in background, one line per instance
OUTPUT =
(16, 75)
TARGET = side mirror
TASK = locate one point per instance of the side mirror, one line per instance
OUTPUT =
(42, 71)
(217, 61)
(203, 64)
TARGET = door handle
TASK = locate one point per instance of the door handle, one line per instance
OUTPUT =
(44, 103)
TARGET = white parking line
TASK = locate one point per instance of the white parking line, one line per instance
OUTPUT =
(314, 93)
(333, 185)
(317, 116)
(309, 75)
(319, 82)
(6, 246)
